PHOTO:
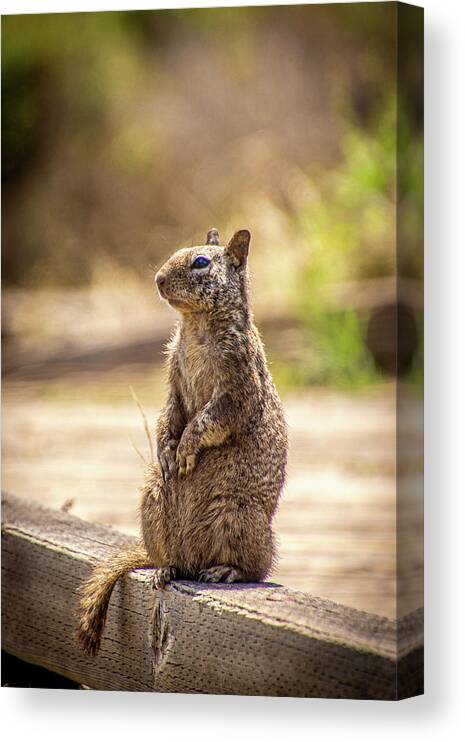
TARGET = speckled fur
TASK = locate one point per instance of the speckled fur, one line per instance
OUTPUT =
(207, 505)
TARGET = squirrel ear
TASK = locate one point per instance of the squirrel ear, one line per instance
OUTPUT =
(238, 247)
(213, 237)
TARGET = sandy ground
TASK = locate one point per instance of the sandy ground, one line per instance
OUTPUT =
(71, 439)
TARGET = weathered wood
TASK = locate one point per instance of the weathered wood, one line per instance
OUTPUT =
(236, 639)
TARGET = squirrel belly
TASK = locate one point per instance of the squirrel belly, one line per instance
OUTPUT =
(208, 503)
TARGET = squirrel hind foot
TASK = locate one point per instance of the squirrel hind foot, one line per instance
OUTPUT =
(222, 573)
(162, 576)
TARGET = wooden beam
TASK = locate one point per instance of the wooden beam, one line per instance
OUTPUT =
(244, 639)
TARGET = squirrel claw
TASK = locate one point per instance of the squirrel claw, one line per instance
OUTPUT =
(186, 464)
(162, 576)
(190, 463)
(167, 459)
(221, 573)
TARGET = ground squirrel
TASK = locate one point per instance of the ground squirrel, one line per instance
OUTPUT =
(207, 505)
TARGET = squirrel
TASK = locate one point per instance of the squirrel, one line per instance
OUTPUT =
(208, 503)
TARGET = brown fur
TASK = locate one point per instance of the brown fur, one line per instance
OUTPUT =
(207, 505)
(96, 592)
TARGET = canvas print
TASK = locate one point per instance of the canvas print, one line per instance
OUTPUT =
(212, 351)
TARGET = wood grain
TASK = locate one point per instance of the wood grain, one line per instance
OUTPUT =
(240, 639)
(350, 487)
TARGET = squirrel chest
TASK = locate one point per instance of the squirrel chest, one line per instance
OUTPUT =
(200, 375)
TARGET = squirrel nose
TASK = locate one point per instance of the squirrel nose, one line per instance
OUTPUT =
(160, 280)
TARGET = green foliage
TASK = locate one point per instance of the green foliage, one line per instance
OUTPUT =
(350, 234)
(125, 134)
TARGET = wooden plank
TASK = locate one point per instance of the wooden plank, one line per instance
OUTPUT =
(227, 639)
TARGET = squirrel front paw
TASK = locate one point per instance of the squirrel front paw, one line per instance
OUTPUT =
(167, 459)
(186, 457)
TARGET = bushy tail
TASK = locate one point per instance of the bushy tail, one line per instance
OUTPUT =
(96, 593)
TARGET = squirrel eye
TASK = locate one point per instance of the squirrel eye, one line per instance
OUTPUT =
(201, 262)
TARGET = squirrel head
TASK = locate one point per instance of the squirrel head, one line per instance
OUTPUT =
(207, 278)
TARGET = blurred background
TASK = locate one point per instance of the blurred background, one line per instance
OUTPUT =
(126, 135)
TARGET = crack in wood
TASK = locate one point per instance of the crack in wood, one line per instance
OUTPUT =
(241, 639)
